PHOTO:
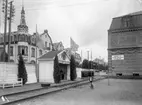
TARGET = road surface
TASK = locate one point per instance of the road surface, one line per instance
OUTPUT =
(120, 92)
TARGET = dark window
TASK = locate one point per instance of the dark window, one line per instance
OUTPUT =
(11, 50)
(26, 38)
(23, 50)
(22, 37)
(33, 52)
(45, 44)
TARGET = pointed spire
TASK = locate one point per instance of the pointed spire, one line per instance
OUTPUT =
(23, 27)
(23, 22)
(23, 11)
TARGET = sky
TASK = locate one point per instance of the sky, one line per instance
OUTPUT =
(86, 21)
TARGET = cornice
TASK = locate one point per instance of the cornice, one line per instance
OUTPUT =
(125, 30)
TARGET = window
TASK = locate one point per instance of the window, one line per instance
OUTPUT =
(40, 52)
(127, 21)
(26, 38)
(45, 44)
(33, 52)
(23, 50)
(11, 50)
(12, 38)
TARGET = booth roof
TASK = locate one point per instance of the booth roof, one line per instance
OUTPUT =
(49, 55)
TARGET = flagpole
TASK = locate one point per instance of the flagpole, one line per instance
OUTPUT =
(81, 56)
(37, 73)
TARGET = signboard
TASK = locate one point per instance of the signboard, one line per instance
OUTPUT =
(117, 57)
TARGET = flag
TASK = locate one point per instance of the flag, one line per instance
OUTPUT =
(73, 45)
(39, 42)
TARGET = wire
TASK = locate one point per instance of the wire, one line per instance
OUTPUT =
(52, 5)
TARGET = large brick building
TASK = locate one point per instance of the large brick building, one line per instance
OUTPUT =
(125, 44)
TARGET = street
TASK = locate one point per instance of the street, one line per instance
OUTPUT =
(120, 92)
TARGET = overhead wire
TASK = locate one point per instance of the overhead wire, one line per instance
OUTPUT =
(52, 5)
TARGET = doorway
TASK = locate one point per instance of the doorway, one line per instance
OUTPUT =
(63, 71)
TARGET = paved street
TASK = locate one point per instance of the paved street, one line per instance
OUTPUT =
(120, 92)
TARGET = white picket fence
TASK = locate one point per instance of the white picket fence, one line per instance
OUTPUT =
(10, 70)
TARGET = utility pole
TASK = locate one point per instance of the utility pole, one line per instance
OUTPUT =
(88, 55)
(5, 28)
(36, 65)
(91, 59)
(9, 38)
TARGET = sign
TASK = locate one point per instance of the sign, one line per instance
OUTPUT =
(117, 57)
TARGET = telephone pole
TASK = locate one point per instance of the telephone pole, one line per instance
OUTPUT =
(9, 34)
(88, 55)
(5, 28)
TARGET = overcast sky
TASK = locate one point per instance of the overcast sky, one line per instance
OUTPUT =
(86, 21)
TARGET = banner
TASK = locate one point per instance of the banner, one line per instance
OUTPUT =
(73, 45)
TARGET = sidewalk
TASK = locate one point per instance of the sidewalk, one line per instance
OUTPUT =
(32, 87)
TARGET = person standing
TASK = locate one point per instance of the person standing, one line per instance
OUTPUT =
(91, 80)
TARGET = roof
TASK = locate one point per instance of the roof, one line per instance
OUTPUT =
(56, 45)
(49, 55)
(133, 20)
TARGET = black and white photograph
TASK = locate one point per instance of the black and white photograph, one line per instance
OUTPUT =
(70, 52)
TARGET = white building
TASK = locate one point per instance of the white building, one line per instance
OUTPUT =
(46, 66)
(30, 46)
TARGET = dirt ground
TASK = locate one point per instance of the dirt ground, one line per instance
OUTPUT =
(119, 92)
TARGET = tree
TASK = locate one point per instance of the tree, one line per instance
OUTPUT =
(22, 73)
(56, 73)
(2, 57)
(85, 64)
(90, 65)
(73, 74)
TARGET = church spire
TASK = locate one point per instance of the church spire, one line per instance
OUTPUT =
(22, 22)
(23, 27)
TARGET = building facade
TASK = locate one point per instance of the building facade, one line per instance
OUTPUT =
(58, 46)
(30, 46)
(125, 44)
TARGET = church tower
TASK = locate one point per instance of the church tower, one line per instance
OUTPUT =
(23, 27)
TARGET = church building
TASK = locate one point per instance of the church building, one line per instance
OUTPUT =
(125, 44)
(30, 46)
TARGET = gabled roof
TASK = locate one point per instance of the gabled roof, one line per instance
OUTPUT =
(49, 55)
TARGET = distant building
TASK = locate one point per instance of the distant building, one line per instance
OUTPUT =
(125, 44)
(76, 55)
(30, 46)
(58, 46)
(99, 61)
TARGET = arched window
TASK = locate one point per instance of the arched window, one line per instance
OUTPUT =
(26, 38)
(23, 50)
(33, 52)
(11, 50)
(32, 62)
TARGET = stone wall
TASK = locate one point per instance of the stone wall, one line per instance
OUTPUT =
(10, 71)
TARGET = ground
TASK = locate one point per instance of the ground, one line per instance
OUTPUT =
(119, 92)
